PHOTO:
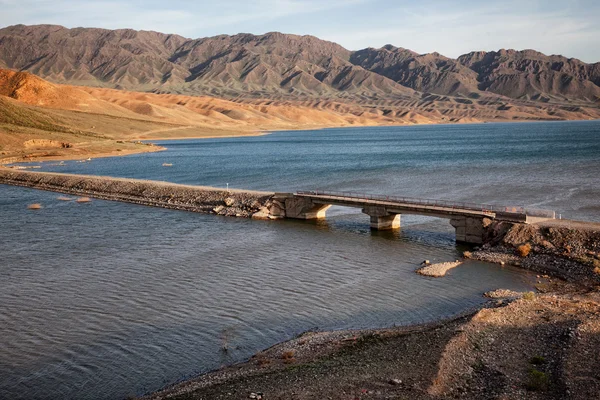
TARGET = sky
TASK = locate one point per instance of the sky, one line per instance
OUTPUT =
(452, 28)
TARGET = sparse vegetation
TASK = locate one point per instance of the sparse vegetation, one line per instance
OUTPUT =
(537, 380)
(262, 361)
(537, 360)
(524, 250)
(288, 356)
(528, 296)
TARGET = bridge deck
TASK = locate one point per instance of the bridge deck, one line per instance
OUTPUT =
(441, 208)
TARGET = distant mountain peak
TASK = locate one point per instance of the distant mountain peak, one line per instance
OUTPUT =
(276, 64)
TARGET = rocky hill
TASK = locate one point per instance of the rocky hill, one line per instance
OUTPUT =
(533, 75)
(431, 73)
(281, 66)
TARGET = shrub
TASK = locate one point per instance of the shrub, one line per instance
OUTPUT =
(524, 249)
(537, 380)
(528, 296)
(263, 362)
(537, 360)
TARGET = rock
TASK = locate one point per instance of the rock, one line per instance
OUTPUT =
(395, 381)
(229, 201)
(503, 294)
(437, 270)
(262, 213)
(252, 396)
(218, 209)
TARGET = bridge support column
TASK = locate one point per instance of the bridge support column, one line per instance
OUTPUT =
(385, 223)
(469, 229)
(381, 219)
(302, 208)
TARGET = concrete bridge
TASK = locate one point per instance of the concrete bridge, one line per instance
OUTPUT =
(469, 219)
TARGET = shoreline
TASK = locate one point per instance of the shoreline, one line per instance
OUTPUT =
(256, 133)
(321, 343)
(422, 361)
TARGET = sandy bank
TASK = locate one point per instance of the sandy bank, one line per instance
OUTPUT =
(438, 270)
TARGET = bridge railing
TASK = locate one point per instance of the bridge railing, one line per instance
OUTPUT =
(485, 208)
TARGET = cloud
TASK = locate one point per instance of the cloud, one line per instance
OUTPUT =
(176, 16)
(490, 27)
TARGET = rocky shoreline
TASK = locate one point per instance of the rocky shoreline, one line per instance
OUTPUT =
(568, 250)
(515, 346)
(534, 346)
(238, 203)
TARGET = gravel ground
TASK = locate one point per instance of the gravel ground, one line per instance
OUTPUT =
(538, 347)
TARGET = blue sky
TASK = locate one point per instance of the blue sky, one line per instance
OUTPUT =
(568, 27)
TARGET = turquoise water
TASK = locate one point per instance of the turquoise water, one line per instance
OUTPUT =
(107, 300)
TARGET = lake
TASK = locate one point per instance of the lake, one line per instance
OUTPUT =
(107, 300)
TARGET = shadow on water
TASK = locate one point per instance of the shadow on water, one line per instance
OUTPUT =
(428, 231)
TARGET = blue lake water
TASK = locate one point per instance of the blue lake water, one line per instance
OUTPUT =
(107, 300)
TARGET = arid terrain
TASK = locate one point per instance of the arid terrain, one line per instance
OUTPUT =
(135, 85)
(537, 347)
(277, 65)
(83, 92)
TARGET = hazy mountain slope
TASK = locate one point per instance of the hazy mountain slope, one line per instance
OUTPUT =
(275, 63)
(533, 75)
(426, 73)
(224, 65)
(283, 67)
(92, 56)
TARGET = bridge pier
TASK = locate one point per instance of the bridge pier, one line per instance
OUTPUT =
(381, 219)
(301, 208)
(469, 229)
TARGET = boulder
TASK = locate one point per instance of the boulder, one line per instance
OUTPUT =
(262, 213)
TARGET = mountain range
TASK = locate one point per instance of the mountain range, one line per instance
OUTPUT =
(80, 93)
(280, 66)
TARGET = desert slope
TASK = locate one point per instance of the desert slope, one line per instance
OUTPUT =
(40, 119)
(278, 66)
